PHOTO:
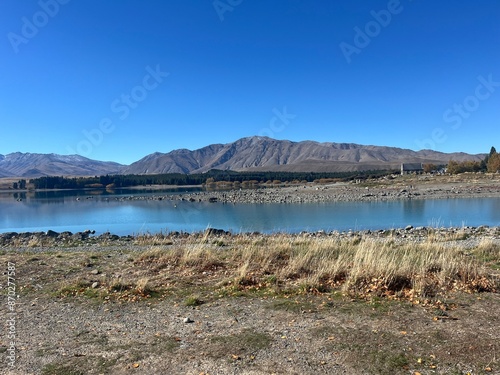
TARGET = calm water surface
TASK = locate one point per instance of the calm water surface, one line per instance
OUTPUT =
(62, 211)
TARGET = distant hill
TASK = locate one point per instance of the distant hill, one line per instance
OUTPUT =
(266, 154)
(245, 154)
(36, 165)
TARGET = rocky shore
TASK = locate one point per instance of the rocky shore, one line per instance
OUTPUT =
(466, 237)
(387, 189)
(339, 193)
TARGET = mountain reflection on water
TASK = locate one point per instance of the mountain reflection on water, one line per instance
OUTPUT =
(113, 211)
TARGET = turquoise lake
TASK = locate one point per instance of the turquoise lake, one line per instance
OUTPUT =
(117, 213)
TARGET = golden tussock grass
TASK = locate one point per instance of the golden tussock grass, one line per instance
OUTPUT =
(362, 267)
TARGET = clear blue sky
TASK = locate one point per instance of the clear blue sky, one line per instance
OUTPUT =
(117, 80)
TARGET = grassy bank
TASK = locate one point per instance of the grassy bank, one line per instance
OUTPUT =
(296, 304)
(156, 266)
(358, 267)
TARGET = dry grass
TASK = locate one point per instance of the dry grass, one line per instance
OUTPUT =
(153, 239)
(361, 267)
(211, 266)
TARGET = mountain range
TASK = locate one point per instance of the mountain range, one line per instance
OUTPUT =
(29, 165)
(251, 153)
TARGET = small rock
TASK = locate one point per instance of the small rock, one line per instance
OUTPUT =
(409, 227)
(188, 320)
(95, 285)
(94, 272)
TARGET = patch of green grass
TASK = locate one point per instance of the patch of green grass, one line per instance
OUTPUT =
(80, 366)
(380, 305)
(74, 288)
(243, 343)
(164, 345)
(271, 279)
(337, 295)
(193, 301)
(488, 253)
(387, 363)
(60, 369)
(92, 293)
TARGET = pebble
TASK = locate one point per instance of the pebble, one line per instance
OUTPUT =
(188, 320)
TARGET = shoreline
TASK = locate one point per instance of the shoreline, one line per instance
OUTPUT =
(388, 188)
(140, 187)
(466, 237)
(338, 193)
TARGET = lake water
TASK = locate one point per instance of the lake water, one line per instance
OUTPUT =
(61, 211)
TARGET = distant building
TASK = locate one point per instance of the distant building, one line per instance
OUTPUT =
(407, 168)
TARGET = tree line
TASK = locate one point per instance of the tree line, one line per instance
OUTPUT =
(123, 181)
(490, 164)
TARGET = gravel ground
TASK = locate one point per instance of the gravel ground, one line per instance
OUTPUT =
(255, 336)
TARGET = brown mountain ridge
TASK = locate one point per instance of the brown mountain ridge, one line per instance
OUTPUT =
(245, 154)
(267, 154)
